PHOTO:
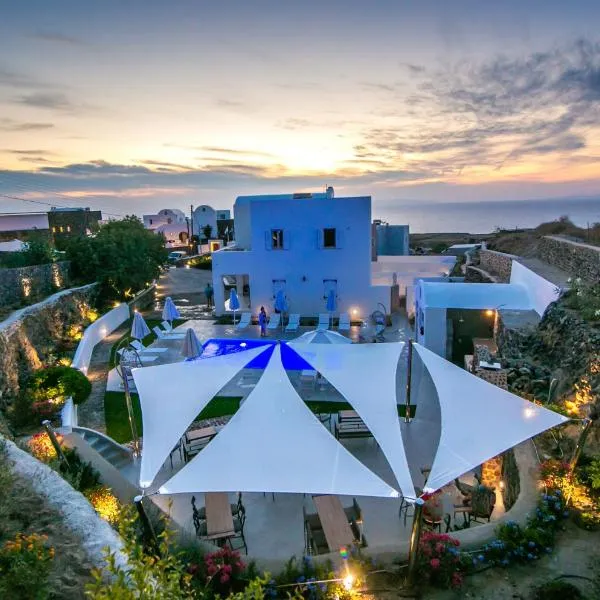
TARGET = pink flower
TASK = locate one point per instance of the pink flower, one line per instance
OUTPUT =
(439, 547)
(224, 578)
(457, 579)
(435, 563)
(456, 542)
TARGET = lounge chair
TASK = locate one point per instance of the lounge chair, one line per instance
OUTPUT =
(161, 335)
(274, 321)
(143, 358)
(245, 319)
(344, 324)
(140, 348)
(293, 322)
(167, 326)
(323, 322)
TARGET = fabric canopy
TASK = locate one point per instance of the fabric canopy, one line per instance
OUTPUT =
(173, 395)
(479, 420)
(365, 374)
(321, 337)
(509, 296)
(276, 444)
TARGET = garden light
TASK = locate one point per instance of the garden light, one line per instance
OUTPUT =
(489, 312)
(348, 581)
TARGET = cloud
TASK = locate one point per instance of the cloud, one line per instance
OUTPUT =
(27, 152)
(46, 100)
(412, 68)
(12, 125)
(495, 113)
(59, 38)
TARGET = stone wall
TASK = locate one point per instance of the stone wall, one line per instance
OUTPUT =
(30, 336)
(26, 285)
(496, 263)
(510, 477)
(477, 275)
(580, 260)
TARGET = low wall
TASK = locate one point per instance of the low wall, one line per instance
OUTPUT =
(78, 515)
(476, 275)
(30, 284)
(96, 332)
(29, 336)
(498, 264)
(143, 299)
(580, 260)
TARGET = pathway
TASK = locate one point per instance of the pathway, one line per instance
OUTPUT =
(91, 413)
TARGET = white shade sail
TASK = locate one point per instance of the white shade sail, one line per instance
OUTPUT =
(275, 443)
(321, 337)
(365, 374)
(479, 420)
(172, 396)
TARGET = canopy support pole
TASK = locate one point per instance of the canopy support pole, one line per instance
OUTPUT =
(54, 441)
(408, 380)
(415, 538)
(150, 539)
(134, 434)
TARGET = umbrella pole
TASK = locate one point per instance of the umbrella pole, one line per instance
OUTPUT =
(134, 434)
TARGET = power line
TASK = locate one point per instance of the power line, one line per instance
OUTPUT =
(51, 204)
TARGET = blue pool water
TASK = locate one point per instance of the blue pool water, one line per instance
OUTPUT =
(291, 360)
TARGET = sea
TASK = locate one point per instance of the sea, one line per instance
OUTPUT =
(487, 216)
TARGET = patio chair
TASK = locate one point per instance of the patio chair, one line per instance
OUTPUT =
(354, 512)
(199, 522)
(323, 322)
(293, 322)
(238, 527)
(236, 508)
(245, 320)
(141, 348)
(274, 321)
(344, 322)
(161, 335)
(483, 501)
(359, 539)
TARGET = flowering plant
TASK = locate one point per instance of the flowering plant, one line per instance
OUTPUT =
(223, 568)
(440, 560)
(105, 503)
(41, 447)
(25, 564)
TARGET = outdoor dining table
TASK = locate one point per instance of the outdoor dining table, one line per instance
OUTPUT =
(219, 520)
(334, 521)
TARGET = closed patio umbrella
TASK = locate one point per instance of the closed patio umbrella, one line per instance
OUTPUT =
(331, 305)
(170, 312)
(139, 328)
(191, 344)
(321, 337)
(234, 302)
(281, 304)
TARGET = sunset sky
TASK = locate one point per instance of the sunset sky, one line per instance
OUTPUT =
(134, 106)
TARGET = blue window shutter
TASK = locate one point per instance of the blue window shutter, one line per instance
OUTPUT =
(339, 238)
(287, 234)
(319, 238)
(268, 240)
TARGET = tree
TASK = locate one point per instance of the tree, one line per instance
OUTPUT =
(123, 257)
(207, 231)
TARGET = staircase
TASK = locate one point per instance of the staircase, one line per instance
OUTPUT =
(118, 456)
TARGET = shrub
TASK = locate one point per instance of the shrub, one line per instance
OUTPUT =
(557, 590)
(25, 564)
(81, 475)
(224, 569)
(56, 384)
(105, 503)
(440, 560)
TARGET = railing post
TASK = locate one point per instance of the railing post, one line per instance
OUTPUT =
(134, 433)
(54, 440)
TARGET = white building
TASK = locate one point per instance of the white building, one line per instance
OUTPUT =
(166, 216)
(306, 244)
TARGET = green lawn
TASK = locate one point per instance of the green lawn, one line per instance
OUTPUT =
(117, 422)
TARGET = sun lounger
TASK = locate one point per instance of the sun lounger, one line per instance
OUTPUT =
(141, 348)
(161, 335)
(293, 322)
(244, 321)
(323, 322)
(344, 324)
(167, 326)
(274, 321)
(143, 358)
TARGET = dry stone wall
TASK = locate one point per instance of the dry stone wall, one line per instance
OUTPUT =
(26, 285)
(580, 260)
(498, 264)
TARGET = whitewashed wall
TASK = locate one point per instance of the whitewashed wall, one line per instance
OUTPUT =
(541, 292)
(96, 332)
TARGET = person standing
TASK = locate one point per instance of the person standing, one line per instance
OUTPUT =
(208, 292)
(262, 321)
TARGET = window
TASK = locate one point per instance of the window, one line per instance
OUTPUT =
(329, 237)
(150, 221)
(277, 239)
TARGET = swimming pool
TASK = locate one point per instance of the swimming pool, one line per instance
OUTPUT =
(290, 359)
